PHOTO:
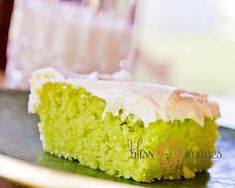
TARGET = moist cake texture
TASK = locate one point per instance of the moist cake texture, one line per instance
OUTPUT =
(126, 129)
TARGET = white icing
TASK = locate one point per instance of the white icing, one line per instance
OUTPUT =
(148, 102)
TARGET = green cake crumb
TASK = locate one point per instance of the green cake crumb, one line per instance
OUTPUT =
(72, 126)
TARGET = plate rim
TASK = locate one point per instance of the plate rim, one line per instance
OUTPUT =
(32, 175)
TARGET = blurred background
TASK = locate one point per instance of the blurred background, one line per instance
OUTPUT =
(193, 41)
(185, 43)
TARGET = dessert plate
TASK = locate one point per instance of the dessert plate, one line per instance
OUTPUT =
(23, 160)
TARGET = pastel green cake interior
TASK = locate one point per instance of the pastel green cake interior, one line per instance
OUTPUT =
(72, 126)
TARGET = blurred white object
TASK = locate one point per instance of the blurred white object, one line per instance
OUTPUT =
(227, 108)
(81, 37)
(121, 75)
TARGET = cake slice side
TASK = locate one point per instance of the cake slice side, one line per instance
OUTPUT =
(73, 126)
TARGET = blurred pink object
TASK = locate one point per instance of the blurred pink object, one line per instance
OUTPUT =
(79, 36)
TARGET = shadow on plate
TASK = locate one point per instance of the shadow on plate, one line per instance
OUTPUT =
(60, 163)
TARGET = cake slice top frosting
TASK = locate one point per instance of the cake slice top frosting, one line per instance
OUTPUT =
(148, 102)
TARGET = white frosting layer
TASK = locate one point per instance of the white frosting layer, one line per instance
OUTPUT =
(148, 102)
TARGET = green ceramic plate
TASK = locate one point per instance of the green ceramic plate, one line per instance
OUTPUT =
(22, 158)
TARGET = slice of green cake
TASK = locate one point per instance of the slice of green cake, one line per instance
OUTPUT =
(126, 129)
